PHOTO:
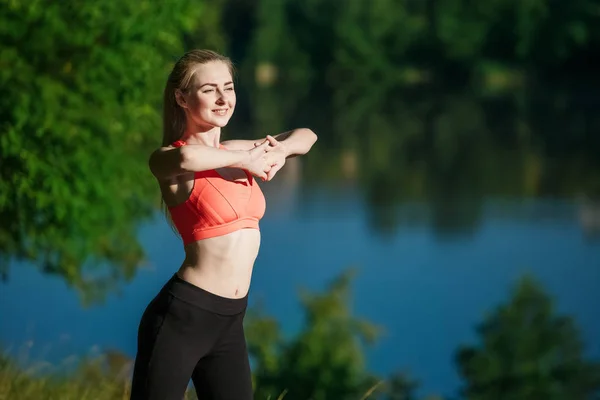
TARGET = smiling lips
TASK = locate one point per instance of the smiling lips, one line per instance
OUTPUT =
(220, 111)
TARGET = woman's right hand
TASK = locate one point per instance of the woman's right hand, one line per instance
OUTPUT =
(257, 161)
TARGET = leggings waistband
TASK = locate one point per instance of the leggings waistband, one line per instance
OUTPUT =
(204, 299)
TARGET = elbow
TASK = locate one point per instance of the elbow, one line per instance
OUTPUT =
(312, 136)
(308, 139)
(308, 135)
(153, 163)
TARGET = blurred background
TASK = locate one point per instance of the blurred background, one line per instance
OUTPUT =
(440, 241)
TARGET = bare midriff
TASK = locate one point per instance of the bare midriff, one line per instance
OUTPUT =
(223, 264)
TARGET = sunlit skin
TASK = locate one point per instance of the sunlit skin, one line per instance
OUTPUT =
(209, 103)
(223, 264)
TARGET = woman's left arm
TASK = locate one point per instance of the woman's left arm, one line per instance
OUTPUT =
(283, 146)
(295, 142)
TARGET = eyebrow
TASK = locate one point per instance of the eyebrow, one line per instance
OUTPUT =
(215, 85)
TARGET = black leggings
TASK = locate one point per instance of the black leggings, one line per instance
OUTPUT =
(187, 332)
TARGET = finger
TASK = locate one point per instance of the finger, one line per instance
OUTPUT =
(273, 171)
(263, 172)
(258, 142)
(264, 145)
(272, 140)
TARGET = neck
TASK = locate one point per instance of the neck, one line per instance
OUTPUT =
(209, 136)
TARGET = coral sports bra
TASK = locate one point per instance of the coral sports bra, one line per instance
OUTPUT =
(217, 206)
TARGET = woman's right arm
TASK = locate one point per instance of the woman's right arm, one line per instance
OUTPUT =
(168, 162)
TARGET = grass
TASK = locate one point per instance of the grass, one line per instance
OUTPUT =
(92, 380)
(100, 378)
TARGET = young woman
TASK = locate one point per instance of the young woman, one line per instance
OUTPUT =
(193, 327)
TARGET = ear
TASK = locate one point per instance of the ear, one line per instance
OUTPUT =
(180, 98)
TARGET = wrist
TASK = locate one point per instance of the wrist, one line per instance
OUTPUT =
(244, 159)
(285, 150)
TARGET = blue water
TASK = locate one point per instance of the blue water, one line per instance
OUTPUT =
(428, 290)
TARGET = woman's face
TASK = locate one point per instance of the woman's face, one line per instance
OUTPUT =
(210, 100)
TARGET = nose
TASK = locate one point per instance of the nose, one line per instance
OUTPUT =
(222, 97)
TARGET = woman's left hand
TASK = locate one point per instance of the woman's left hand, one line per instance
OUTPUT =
(275, 157)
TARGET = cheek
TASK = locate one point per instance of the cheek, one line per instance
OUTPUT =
(202, 105)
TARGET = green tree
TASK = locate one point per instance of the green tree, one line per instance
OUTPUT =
(80, 111)
(275, 66)
(325, 360)
(400, 387)
(527, 352)
(372, 41)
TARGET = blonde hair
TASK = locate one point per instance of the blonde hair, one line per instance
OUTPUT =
(181, 78)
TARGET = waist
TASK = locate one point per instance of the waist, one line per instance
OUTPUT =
(233, 248)
(192, 294)
(223, 264)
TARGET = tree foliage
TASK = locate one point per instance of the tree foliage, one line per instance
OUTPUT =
(325, 360)
(527, 351)
(377, 41)
(80, 112)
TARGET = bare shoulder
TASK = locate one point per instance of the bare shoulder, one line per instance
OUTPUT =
(164, 162)
(175, 184)
(162, 149)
